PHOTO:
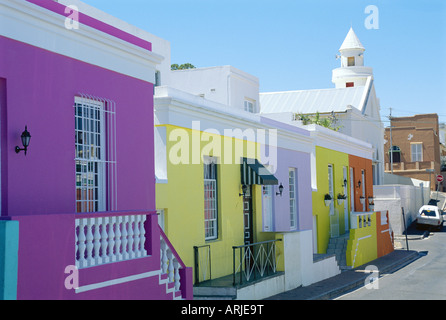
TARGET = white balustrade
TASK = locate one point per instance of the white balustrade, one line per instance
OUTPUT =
(169, 264)
(361, 220)
(101, 240)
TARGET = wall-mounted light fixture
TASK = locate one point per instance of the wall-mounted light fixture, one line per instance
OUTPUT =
(26, 136)
(244, 190)
(359, 184)
(280, 190)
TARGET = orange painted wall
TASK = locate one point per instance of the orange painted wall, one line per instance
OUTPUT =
(384, 239)
(358, 164)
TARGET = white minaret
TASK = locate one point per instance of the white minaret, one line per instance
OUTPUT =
(352, 72)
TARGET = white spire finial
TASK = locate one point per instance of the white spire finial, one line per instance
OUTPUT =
(351, 41)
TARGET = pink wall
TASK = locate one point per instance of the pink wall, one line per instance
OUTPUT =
(46, 249)
(40, 90)
(37, 89)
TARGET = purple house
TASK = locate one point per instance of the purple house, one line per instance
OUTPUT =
(83, 191)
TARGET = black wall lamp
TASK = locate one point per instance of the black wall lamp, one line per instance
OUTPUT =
(26, 136)
(359, 184)
(244, 190)
(280, 190)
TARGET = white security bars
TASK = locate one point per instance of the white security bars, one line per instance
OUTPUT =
(210, 198)
(293, 195)
(95, 154)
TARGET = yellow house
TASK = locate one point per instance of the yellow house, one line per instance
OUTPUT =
(332, 175)
(201, 168)
(331, 217)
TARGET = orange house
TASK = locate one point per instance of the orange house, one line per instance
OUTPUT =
(361, 183)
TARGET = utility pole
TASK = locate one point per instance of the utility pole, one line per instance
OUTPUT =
(391, 144)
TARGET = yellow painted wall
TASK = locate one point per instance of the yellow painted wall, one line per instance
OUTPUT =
(182, 198)
(339, 160)
(362, 245)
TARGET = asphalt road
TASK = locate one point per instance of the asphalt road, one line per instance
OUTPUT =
(423, 279)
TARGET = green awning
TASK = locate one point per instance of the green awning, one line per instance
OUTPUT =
(253, 172)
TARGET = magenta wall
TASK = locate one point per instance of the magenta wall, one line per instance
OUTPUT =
(37, 89)
(40, 90)
(46, 249)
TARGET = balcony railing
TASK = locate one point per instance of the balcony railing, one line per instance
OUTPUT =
(109, 237)
(254, 261)
(361, 220)
(419, 165)
(170, 262)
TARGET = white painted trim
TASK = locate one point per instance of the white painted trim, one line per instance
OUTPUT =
(337, 141)
(113, 282)
(26, 22)
(178, 108)
(365, 237)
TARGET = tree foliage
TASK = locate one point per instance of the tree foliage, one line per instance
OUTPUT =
(183, 66)
(326, 122)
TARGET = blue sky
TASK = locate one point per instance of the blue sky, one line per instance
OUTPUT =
(291, 45)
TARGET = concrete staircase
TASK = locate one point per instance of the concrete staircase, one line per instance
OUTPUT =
(338, 247)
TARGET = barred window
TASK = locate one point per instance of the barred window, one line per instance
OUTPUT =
(293, 197)
(210, 199)
(95, 154)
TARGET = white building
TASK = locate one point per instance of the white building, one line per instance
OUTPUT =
(353, 102)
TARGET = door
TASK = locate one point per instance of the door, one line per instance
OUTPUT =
(346, 213)
(247, 217)
(334, 215)
(363, 189)
(352, 190)
(267, 208)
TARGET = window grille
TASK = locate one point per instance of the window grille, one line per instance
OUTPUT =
(293, 198)
(95, 154)
(210, 200)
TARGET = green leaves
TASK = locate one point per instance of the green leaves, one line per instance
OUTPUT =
(183, 66)
(326, 122)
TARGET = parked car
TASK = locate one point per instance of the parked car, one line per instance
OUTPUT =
(430, 215)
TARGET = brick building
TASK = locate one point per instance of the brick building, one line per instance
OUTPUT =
(414, 143)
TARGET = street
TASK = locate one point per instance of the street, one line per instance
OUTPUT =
(423, 279)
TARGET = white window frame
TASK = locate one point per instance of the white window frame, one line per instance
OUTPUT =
(417, 155)
(210, 182)
(353, 59)
(95, 155)
(161, 218)
(250, 106)
(292, 179)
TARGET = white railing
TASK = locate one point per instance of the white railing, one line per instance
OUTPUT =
(109, 238)
(361, 220)
(170, 263)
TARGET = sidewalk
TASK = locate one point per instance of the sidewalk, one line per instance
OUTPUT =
(348, 280)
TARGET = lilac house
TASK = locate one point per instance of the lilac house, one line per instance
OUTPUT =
(78, 213)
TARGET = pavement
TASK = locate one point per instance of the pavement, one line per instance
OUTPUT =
(351, 279)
